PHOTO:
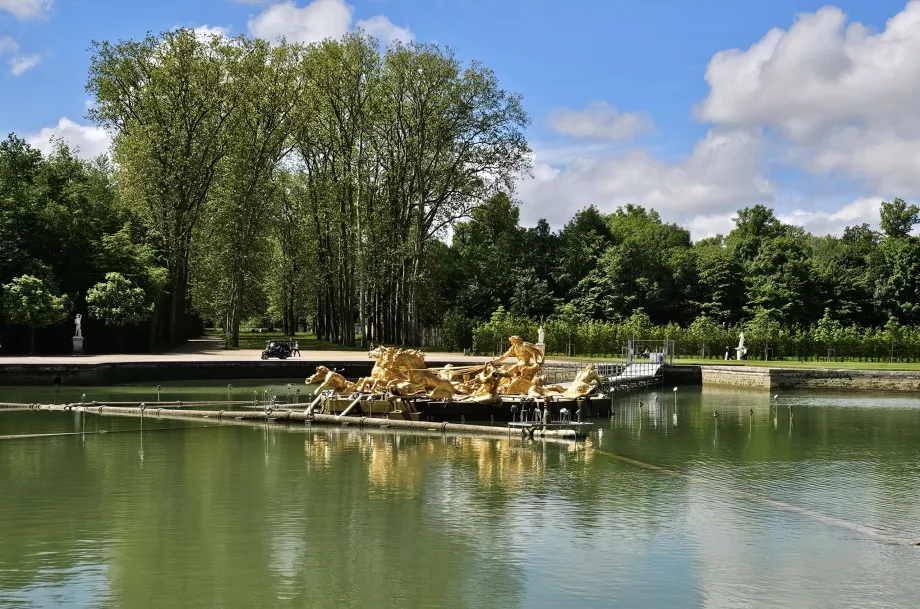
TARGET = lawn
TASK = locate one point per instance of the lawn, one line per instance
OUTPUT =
(308, 342)
(759, 363)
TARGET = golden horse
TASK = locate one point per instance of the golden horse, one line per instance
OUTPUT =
(330, 380)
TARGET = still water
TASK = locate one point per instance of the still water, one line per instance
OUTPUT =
(813, 509)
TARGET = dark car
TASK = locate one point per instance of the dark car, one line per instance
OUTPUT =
(277, 348)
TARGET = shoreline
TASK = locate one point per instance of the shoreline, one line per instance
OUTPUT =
(235, 365)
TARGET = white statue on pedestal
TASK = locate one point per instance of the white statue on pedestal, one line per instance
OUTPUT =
(79, 331)
(540, 336)
(741, 350)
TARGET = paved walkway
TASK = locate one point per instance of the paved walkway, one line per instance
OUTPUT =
(203, 352)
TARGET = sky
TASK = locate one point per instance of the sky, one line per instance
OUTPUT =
(695, 109)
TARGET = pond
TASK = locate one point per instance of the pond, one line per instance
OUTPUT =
(665, 505)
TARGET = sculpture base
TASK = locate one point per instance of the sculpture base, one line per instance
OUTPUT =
(77, 345)
(741, 353)
(542, 346)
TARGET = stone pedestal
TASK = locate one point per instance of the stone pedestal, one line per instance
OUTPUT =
(77, 345)
(741, 352)
(542, 346)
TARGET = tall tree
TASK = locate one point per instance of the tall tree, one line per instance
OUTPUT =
(168, 99)
(898, 218)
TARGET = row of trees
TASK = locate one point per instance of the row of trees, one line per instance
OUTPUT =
(67, 245)
(302, 180)
(285, 183)
(568, 333)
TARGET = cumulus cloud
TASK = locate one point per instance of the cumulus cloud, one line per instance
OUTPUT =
(721, 174)
(861, 211)
(206, 31)
(384, 30)
(600, 121)
(27, 9)
(843, 98)
(87, 140)
(318, 20)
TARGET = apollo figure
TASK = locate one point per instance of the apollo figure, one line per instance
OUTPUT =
(78, 321)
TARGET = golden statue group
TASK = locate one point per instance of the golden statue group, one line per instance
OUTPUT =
(402, 372)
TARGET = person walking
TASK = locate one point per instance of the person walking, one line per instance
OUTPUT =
(296, 348)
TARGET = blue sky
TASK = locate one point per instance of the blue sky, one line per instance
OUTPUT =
(813, 112)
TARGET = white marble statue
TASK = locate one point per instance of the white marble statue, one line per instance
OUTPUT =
(741, 342)
(540, 335)
(78, 321)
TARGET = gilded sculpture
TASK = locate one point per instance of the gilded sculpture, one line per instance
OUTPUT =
(330, 379)
(585, 383)
(403, 372)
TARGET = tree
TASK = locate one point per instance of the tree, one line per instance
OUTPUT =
(27, 302)
(232, 244)
(898, 218)
(117, 302)
(168, 99)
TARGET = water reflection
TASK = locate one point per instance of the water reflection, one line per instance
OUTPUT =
(663, 506)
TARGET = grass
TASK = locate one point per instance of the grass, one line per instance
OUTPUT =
(308, 342)
(850, 365)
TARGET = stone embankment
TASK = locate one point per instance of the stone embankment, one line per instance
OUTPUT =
(787, 379)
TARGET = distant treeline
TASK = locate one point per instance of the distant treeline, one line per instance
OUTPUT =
(289, 186)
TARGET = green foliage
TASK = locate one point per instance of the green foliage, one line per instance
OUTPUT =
(28, 302)
(898, 218)
(118, 302)
(456, 332)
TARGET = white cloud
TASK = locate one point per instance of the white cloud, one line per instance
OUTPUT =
(321, 19)
(384, 30)
(710, 225)
(600, 121)
(206, 31)
(89, 141)
(843, 99)
(860, 211)
(18, 64)
(721, 174)
(22, 63)
(316, 21)
(27, 9)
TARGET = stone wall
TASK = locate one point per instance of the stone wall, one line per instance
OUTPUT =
(799, 378)
(736, 376)
(845, 380)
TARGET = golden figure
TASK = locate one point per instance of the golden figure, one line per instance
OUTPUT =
(540, 389)
(585, 383)
(521, 381)
(486, 385)
(391, 364)
(330, 380)
(526, 353)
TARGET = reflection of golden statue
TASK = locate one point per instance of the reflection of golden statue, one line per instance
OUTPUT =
(330, 380)
(585, 383)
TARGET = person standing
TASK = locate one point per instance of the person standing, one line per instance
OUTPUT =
(297, 348)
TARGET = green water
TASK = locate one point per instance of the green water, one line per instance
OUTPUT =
(813, 510)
